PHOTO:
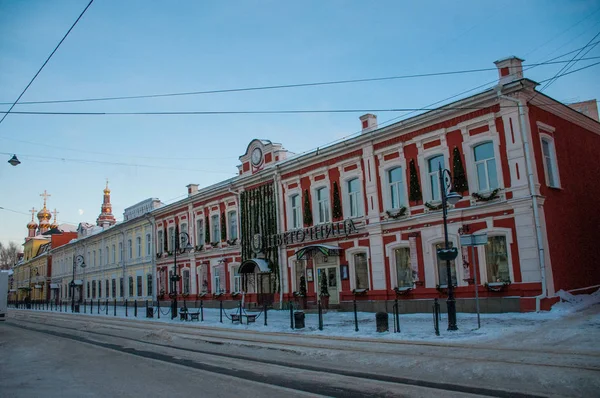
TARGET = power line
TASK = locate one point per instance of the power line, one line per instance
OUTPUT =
(47, 59)
(286, 111)
(277, 87)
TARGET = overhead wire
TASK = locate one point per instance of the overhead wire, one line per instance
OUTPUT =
(45, 62)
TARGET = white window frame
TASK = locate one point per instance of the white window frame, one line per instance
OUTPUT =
(129, 250)
(485, 163)
(216, 277)
(148, 244)
(345, 179)
(171, 233)
(215, 227)
(160, 242)
(229, 226)
(290, 210)
(199, 229)
(233, 267)
(138, 245)
(544, 137)
(183, 227)
(482, 264)
(468, 146)
(317, 205)
(352, 270)
(189, 280)
(391, 254)
(437, 177)
(430, 257)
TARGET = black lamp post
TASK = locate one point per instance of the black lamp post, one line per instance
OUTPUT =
(175, 278)
(448, 254)
(77, 260)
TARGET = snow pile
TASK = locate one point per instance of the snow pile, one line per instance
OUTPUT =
(160, 334)
(572, 303)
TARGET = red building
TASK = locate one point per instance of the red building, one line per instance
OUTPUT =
(367, 211)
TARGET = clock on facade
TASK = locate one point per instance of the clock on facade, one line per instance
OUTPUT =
(256, 156)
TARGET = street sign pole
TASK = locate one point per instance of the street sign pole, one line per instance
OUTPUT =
(472, 241)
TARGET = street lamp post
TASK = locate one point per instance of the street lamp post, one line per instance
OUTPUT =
(77, 260)
(175, 278)
(448, 254)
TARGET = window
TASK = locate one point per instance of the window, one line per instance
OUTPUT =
(138, 245)
(395, 188)
(120, 251)
(130, 286)
(216, 234)
(434, 176)
(93, 289)
(121, 289)
(186, 281)
(485, 164)
(129, 249)
(354, 196)
(295, 211)
(106, 251)
(88, 290)
(233, 232)
(199, 232)
(99, 289)
(237, 281)
(149, 285)
(94, 259)
(442, 270)
(160, 242)
(107, 288)
(549, 157)
(183, 238)
(218, 278)
(496, 259)
(403, 268)
(300, 268)
(323, 205)
(148, 245)
(114, 256)
(171, 237)
(361, 271)
(114, 288)
(100, 256)
(139, 285)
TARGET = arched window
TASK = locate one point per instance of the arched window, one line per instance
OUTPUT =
(485, 164)
(361, 271)
(496, 259)
(403, 267)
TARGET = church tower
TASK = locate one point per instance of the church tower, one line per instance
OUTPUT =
(44, 215)
(106, 218)
(32, 226)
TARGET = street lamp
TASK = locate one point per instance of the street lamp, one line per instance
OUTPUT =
(14, 161)
(448, 254)
(77, 260)
(175, 278)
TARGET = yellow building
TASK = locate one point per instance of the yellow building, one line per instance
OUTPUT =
(27, 273)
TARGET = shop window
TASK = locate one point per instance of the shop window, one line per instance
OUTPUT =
(496, 259)
(441, 267)
(404, 275)
(361, 271)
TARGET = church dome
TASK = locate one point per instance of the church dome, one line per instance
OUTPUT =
(44, 215)
(32, 225)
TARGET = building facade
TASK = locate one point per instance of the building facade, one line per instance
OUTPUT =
(366, 212)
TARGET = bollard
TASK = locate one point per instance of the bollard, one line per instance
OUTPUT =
(135, 308)
(84, 308)
(201, 311)
(66, 303)
(221, 311)
(291, 315)
(47, 304)
(265, 310)
(60, 305)
(115, 307)
(126, 314)
(106, 306)
(158, 307)
(436, 317)
(98, 306)
(320, 315)
(382, 322)
(397, 317)
(241, 319)
(355, 317)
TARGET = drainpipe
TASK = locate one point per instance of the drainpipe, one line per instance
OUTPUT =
(150, 219)
(524, 127)
(278, 207)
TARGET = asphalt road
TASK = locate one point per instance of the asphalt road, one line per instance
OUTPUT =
(73, 355)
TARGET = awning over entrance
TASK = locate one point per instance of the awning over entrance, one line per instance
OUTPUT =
(248, 266)
(326, 250)
(54, 286)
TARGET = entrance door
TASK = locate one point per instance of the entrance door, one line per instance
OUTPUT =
(332, 283)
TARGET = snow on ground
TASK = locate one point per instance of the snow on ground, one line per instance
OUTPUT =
(414, 327)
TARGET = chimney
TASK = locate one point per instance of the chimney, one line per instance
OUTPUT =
(509, 69)
(368, 122)
(192, 189)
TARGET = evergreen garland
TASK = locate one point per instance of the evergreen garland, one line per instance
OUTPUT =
(415, 194)
(223, 227)
(176, 237)
(165, 240)
(337, 205)
(207, 231)
(324, 291)
(308, 219)
(460, 180)
(302, 286)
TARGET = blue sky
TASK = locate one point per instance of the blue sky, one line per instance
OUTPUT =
(147, 47)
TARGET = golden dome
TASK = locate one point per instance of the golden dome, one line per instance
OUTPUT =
(44, 215)
(55, 222)
(106, 190)
(32, 225)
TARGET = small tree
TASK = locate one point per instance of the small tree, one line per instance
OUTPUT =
(337, 204)
(166, 240)
(415, 187)
(206, 231)
(176, 237)
(302, 286)
(460, 180)
(308, 219)
(223, 228)
(324, 291)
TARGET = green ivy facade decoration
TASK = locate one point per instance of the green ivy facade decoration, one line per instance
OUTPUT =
(433, 207)
(176, 237)
(396, 214)
(165, 240)
(259, 216)
(206, 231)
(486, 198)
(308, 219)
(223, 228)
(415, 194)
(460, 183)
(337, 203)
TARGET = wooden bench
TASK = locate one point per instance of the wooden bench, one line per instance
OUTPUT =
(194, 316)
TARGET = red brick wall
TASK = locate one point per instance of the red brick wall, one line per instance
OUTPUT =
(572, 213)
